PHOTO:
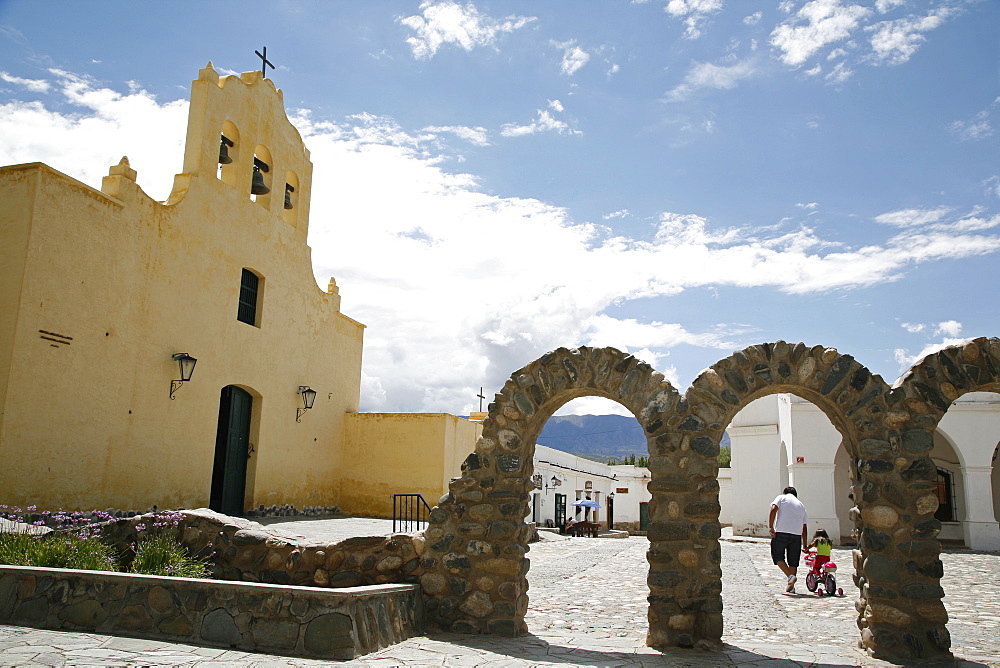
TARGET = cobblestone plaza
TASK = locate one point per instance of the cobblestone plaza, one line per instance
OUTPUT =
(588, 607)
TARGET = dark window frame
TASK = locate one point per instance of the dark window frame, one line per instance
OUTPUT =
(945, 489)
(249, 302)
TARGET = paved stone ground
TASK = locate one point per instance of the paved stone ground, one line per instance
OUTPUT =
(588, 608)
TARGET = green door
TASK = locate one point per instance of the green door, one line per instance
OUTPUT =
(643, 516)
(229, 475)
(560, 511)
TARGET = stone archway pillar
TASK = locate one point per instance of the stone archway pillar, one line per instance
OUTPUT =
(979, 527)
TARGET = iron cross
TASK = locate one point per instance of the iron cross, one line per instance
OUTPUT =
(265, 63)
(481, 397)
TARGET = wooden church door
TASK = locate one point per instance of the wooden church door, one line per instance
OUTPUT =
(229, 475)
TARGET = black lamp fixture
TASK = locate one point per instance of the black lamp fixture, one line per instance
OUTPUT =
(552, 483)
(186, 364)
(308, 399)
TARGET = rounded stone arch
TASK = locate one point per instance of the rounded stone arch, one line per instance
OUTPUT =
(474, 561)
(849, 395)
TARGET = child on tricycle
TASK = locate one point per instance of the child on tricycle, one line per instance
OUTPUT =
(823, 572)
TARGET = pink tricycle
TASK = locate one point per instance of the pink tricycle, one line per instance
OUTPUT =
(824, 578)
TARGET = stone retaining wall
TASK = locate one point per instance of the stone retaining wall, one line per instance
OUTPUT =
(297, 621)
(243, 550)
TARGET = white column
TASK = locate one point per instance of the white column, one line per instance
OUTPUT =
(814, 483)
(979, 527)
(756, 477)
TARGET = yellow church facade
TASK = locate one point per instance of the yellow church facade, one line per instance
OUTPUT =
(106, 296)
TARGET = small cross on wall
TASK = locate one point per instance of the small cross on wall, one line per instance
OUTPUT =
(481, 397)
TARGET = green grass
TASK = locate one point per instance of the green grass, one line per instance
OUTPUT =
(56, 550)
(158, 554)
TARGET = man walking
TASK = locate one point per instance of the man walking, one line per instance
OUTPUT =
(788, 525)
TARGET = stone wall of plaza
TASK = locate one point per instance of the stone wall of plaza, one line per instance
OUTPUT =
(297, 621)
(241, 550)
(475, 559)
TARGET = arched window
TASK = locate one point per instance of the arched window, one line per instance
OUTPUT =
(261, 181)
(229, 153)
(290, 205)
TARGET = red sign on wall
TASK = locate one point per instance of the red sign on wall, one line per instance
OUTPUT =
(800, 460)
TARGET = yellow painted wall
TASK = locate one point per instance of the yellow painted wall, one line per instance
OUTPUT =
(87, 422)
(401, 453)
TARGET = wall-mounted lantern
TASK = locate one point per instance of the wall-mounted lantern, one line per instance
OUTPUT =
(308, 399)
(552, 483)
(186, 364)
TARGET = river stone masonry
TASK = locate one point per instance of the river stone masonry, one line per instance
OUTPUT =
(474, 562)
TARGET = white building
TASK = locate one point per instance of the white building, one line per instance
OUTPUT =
(562, 478)
(784, 440)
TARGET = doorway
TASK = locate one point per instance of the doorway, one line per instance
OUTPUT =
(229, 474)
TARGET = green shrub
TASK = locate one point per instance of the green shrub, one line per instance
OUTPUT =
(56, 550)
(158, 554)
(725, 456)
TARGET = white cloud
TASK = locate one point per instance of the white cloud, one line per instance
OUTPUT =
(449, 22)
(707, 75)
(556, 105)
(440, 270)
(884, 6)
(544, 122)
(912, 217)
(992, 185)
(34, 85)
(477, 136)
(573, 59)
(979, 126)
(938, 220)
(809, 206)
(905, 360)
(950, 328)
(694, 13)
(895, 42)
(102, 126)
(816, 24)
(753, 19)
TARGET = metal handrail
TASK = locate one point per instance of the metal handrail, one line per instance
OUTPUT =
(408, 512)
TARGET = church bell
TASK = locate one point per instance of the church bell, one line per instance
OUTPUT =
(224, 145)
(288, 195)
(257, 186)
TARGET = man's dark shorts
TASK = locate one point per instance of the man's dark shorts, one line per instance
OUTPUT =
(786, 547)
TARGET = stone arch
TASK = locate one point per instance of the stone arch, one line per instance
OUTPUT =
(916, 404)
(476, 541)
(849, 395)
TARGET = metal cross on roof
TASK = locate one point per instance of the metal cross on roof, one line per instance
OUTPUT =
(265, 63)
(481, 397)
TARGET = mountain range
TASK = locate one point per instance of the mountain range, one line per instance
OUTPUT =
(598, 437)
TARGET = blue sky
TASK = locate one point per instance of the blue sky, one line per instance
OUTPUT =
(495, 179)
